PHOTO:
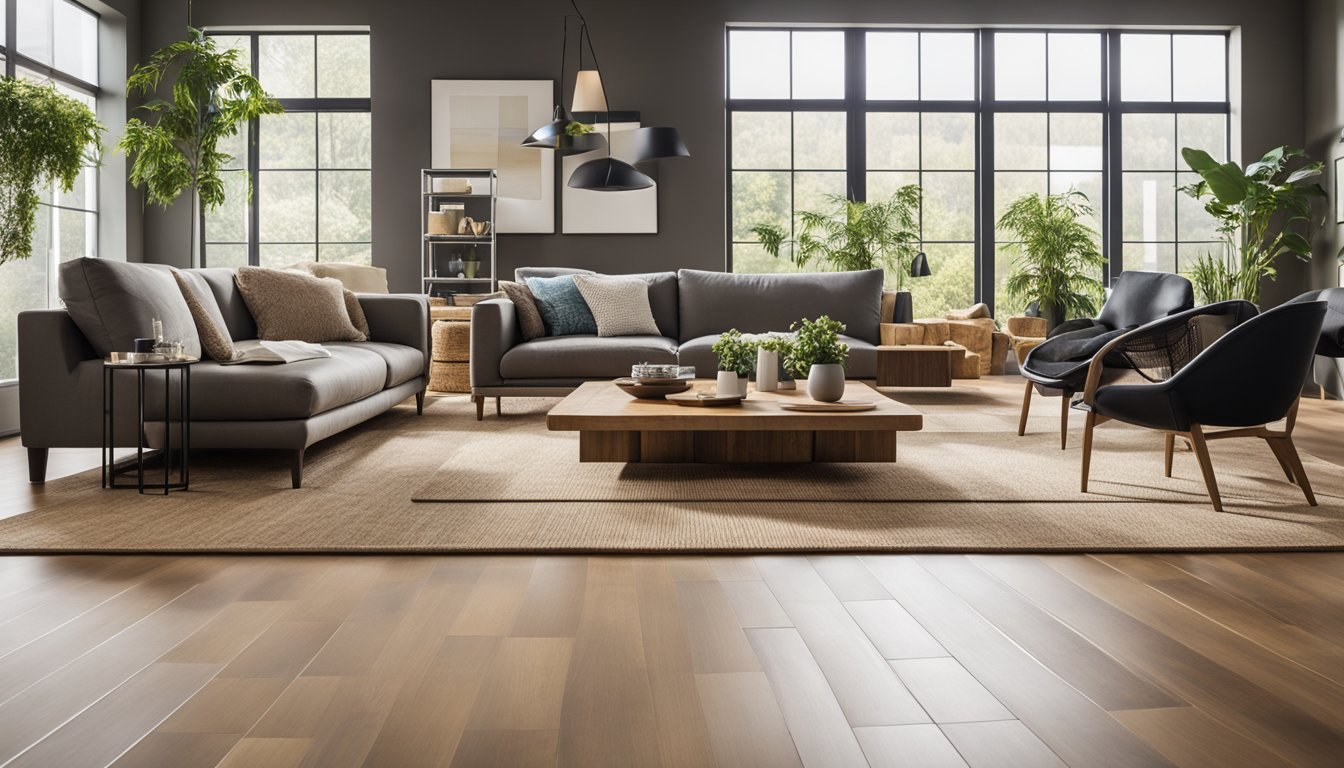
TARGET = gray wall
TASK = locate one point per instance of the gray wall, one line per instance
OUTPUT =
(1324, 121)
(665, 59)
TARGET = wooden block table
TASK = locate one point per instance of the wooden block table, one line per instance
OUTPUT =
(613, 426)
(916, 365)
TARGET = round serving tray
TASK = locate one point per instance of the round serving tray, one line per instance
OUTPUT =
(704, 400)
(652, 389)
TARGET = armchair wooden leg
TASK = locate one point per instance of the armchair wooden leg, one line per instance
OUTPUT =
(480, 406)
(1064, 421)
(1295, 461)
(1087, 446)
(1201, 447)
(1276, 445)
(1169, 447)
(1026, 408)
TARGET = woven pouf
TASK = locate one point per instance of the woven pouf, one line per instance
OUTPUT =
(450, 355)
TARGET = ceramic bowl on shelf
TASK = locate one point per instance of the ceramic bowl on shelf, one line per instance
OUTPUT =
(652, 389)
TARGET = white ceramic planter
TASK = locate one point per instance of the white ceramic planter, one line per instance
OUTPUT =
(767, 370)
(826, 383)
(729, 384)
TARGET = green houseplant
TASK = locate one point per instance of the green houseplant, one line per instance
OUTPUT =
(1056, 255)
(737, 359)
(818, 353)
(854, 235)
(1263, 212)
(210, 94)
(45, 137)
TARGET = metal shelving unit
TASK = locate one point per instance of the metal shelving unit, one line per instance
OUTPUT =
(437, 252)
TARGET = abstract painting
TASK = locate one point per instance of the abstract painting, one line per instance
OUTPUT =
(481, 124)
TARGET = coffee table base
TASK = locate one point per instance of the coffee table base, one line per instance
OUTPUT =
(737, 447)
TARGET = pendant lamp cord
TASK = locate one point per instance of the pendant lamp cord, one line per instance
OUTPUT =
(584, 36)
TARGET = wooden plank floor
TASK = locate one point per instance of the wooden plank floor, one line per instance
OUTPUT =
(938, 660)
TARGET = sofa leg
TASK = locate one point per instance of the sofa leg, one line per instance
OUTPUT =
(420, 403)
(296, 468)
(499, 408)
(479, 400)
(37, 465)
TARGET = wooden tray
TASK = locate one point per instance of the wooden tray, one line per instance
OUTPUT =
(652, 389)
(852, 406)
(702, 400)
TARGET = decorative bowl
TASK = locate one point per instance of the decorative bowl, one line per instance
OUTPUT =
(647, 389)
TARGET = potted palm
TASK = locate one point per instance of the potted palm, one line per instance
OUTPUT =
(856, 235)
(817, 353)
(210, 94)
(737, 357)
(1263, 212)
(1056, 255)
(45, 137)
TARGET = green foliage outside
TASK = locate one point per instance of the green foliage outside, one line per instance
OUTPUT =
(45, 137)
(1057, 254)
(815, 342)
(1263, 212)
(211, 95)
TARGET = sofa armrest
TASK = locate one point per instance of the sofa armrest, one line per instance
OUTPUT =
(494, 331)
(60, 382)
(400, 318)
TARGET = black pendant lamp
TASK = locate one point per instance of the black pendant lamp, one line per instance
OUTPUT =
(553, 135)
(659, 143)
(607, 174)
(919, 266)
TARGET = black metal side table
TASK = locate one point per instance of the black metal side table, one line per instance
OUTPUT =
(110, 471)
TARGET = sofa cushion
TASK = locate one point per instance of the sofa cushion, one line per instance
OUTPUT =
(215, 339)
(114, 303)
(561, 305)
(294, 306)
(713, 302)
(232, 308)
(289, 391)
(529, 317)
(860, 364)
(403, 363)
(585, 357)
(359, 278)
(355, 311)
(620, 305)
(521, 274)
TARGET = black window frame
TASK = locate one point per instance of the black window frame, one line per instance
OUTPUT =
(252, 164)
(985, 106)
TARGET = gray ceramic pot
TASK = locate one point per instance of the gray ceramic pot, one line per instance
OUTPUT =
(826, 383)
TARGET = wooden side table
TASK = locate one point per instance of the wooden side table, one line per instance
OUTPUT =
(916, 365)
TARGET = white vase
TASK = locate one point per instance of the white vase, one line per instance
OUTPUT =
(826, 382)
(729, 384)
(767, 370)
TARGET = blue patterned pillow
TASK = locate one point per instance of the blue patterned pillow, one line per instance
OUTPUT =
(562, 307)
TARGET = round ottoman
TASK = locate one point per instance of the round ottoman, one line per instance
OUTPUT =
(450, 354)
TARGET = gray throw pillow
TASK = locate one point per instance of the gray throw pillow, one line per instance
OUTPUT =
(115, 302)
(620, 305)
(529, 318)
(562, 307)
(210, 326)
(293, 306)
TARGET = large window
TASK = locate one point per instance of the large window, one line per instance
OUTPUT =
(977, 118)
(309, 168)
(51, 41)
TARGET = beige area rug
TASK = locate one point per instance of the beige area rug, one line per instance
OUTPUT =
(359, 488)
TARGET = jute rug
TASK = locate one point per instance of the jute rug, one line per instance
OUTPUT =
(967, 483)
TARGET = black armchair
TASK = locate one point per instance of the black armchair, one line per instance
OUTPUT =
(1216, 366)
(1328, 371)
(1059, 364)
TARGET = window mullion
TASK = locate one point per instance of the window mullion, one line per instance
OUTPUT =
(984, 177)
(1112, 169)
(856, 161)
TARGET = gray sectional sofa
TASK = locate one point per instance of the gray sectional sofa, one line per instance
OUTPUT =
(691, 309)
(244, 407)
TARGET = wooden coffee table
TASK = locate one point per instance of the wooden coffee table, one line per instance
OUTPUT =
(613, 426)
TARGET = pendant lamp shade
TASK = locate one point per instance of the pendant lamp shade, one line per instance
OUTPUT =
(919, 267)
(545, 136)
(607, 174)
(658, 143)
(552, 136)
(588, 93)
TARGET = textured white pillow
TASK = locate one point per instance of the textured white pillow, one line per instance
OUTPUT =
(620, 305)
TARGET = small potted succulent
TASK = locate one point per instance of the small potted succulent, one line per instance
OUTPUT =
(818, 354)
(737, 359)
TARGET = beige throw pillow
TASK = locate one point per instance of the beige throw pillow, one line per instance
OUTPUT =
(620, 305)
(356, 312)
(529, 317)
(292, 306)
(216, 342)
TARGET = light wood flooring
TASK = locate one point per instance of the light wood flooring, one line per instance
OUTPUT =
(946, 660)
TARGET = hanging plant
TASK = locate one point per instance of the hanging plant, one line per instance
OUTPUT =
(45, 137)
(210, 96)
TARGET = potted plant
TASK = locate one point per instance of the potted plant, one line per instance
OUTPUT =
(1057, 255)
(1263, 212)
(471, 265)
(771, 349)
(45, 137)
(856, 235)
(737, 356)
(210, 94)
(817, 353)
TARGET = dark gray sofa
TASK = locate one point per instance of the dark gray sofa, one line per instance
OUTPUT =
(691, 309)
(237, 407)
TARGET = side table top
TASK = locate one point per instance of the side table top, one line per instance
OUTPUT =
(179, 363)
